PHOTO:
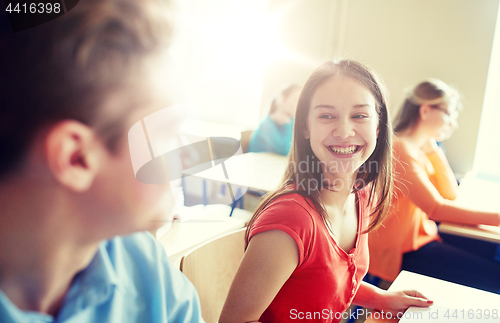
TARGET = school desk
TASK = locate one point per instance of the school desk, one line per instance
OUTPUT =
(444, 294)
(481, 192)
(256, 171)
(187, 235)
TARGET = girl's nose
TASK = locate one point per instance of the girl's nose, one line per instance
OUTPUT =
(343, 129)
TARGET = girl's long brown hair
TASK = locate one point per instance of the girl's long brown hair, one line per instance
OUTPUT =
(379, 180)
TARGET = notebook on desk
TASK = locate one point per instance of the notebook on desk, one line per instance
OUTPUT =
(480, 191)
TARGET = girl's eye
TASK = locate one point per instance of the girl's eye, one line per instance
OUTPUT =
(326, 116)
(360, 116)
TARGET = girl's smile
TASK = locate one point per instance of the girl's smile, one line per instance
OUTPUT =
(344, 151)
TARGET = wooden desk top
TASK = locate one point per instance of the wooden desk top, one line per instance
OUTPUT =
(443, 293)
(257, 171)
(480, 232)
(476, 191)
(479, 193)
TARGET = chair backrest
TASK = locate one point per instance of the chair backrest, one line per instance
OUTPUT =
(211, 268)
(245, 140)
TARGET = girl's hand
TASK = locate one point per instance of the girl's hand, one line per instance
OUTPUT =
(395, 302)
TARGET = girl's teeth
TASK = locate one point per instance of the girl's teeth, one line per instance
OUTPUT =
(343, 150)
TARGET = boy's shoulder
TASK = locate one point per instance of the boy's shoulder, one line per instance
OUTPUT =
(129, 279)
(140, 244)
(144, 276)
(140, 261)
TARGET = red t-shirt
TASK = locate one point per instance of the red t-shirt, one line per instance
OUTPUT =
(327, 278)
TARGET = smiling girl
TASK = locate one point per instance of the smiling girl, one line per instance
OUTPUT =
(307, 246)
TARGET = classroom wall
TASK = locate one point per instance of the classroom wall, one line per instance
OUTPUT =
(405, 41)
(303, 31)
(217, 50)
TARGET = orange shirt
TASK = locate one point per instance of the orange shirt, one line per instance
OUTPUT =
(424, 189)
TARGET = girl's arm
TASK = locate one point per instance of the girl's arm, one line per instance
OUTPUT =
(414, 182)
(269, 260)
(444, 179)
(373, 297)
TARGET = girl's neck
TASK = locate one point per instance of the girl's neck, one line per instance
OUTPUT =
(416, 136)
(337, 189)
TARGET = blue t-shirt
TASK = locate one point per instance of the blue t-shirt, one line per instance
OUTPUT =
(272, 137)
(130, 279)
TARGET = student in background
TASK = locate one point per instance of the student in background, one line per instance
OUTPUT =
(275, 131)
(70, 203)
(307, 244)
(425, 189)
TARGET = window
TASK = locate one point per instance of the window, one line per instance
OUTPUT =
(487, 156)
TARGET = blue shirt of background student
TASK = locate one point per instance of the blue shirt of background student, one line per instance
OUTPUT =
(130, 279)
(272, 137)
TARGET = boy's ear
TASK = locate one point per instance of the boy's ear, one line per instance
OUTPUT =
(72, 151)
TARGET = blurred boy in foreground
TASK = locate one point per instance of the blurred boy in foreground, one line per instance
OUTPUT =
(70, 90)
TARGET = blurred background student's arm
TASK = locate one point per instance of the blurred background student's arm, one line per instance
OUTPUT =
(443, 179)
(418, 187)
